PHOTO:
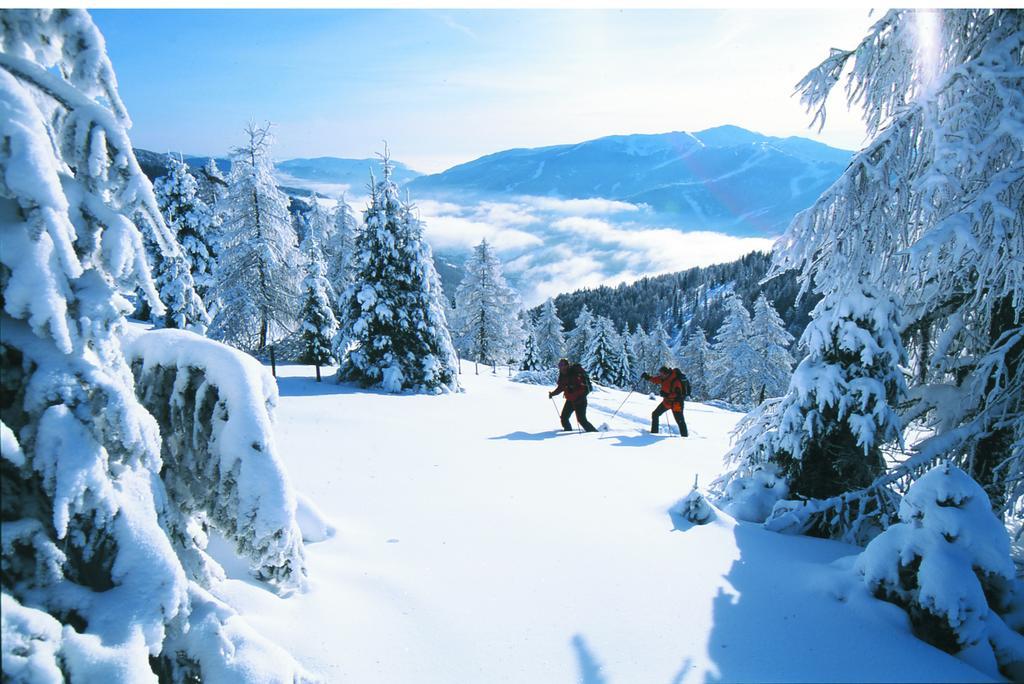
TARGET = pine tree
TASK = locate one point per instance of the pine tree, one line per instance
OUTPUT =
(625, 376)
(257, 277)
(930, 211)
(317, 317)
(96, 581)
(577, 341)
(770, 340)
(183, 306)
(316, 223)
(393, 332)
(658, 350)
(340, 245)
(213, 188)
(640, 342)
(734, 357)
(531, 355)
(191, 220)
(548, 336)
(601, 358)
(694, 361)
(486, 325)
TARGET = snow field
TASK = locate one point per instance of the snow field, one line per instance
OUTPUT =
(476, 544)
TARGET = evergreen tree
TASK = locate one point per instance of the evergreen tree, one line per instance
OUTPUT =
(214, 187)
(316, 223)
(640, 342)
(96, 580)
(548, 336)
(191, 220)
(531, 355)
(486, 324)
(694, 361)
(930, 211)
(601, 358)
(317, 317)
(393, 332)
(658, 350)
(340, 245)
(625, 375)
(770, 340)
(257, 276)
(734, 357)
(577, 341)
(183, 308)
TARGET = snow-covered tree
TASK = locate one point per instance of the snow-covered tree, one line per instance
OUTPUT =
(840, 408)
(640, 342)
(625, 375)
(486, 326)
(259, 267)
(771, 341)
(947, 562)
(601, 358)
(340, 245)
(318, 324)
(577, 340)
(191, 221)
(734, 357)
(98, 580)
(393, 332)
(184, 307)
(694, 360)
(930, 210)
(214, 186)
(548, 336)
(531, 357)
(659, 353)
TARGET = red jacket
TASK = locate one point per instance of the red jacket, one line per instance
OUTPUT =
(572, 383)
(671, 389)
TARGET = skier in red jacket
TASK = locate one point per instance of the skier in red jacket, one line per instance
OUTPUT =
(674, 388)
(574, 385)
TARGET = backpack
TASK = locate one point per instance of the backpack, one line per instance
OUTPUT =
(583, 377)
(683, 381)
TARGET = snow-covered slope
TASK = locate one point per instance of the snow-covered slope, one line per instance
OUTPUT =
(476, 544)
(725, 178)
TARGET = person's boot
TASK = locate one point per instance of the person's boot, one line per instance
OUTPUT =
(654, 427)
(566, 428)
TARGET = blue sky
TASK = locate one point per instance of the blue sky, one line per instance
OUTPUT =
(445, 87)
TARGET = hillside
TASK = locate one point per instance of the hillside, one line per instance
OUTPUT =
(725, 178)
(474, 543)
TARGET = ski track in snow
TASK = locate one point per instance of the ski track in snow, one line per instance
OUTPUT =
(477, 543)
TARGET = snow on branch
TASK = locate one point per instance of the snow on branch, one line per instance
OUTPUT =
(213, 405)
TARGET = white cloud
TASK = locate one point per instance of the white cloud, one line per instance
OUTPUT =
(458, 232)
(580, 207)
(505, 214)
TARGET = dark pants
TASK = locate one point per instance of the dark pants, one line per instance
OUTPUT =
(678, 415)
(580, 407)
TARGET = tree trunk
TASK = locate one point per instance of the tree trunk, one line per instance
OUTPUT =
(318, 372)
(273, 362)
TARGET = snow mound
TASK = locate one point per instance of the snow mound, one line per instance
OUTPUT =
(314, 524)
(537, 377)
(751, 495)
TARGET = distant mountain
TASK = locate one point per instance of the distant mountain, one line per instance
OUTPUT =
(726, 178)
(353, 172)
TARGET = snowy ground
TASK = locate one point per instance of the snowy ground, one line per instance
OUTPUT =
(477, 544)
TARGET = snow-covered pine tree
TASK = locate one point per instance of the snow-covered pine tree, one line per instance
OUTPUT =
(577, 340)
(548, 336)
(640, 342)
(659, 352)
(625, 376)
(317, 223)
(694, 361)
(734, 357)
(259, 261)
(394, 333)
(191, 221)
(94, 584)
(214, 186)
(486, 327)
(771, 341)
(840, 408)
(947, 562)
(184, 307)
(601, 358)
(340, 245)
(531, 357)
(930, 210)
(318, 324)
